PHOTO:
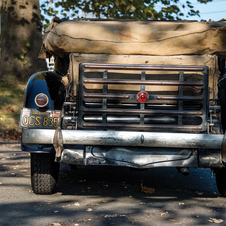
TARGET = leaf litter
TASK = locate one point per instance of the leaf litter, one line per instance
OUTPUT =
(216, 221)
(147, 190)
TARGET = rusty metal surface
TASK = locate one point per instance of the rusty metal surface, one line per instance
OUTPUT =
(140, 111)
(102, 91)
(140, 157)
(170, 97)
(143, 67)
(107, 96)
(143, 82)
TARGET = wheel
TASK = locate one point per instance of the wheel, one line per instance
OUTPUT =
(44, 173)
(221, 181)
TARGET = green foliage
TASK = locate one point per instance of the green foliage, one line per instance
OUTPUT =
(26, 45)
(121, 9)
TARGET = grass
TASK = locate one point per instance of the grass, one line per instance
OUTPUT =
(11, 102)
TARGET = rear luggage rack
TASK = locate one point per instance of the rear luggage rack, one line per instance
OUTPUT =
(177, 97)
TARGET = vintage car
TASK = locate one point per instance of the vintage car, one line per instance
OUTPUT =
(137, 94)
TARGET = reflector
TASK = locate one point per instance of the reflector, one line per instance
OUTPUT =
(142, 97)
(41, 100)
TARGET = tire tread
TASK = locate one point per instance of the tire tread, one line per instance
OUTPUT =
(44, 173)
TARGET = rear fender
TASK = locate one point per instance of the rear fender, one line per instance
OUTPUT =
(49, 83)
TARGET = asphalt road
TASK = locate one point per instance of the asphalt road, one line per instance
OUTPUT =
(108, 196)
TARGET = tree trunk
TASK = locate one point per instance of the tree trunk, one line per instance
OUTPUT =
(21, 38)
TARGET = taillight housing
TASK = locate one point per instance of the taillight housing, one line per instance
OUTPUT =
(41, 100)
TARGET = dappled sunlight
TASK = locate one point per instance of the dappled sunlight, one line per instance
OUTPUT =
(104, 195)
(11, 102)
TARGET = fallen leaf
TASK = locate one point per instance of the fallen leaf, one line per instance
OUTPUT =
(171, 219)
(56, 211)
(216, 221)
(11, 134)
(110, 215)
(89, 210)
(76, 204)
(147, 190)
(162, 213)
(180, 203)
(92, 204)
(9, 108)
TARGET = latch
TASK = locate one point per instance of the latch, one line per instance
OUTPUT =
(213, 120)
(58, 143)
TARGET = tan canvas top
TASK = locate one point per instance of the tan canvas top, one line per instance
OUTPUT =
(157, 38)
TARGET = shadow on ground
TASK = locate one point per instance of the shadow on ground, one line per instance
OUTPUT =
(108, 196)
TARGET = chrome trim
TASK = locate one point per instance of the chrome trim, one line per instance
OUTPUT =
(140, 157)
(38, 96)
(129, 119)
(125, 138)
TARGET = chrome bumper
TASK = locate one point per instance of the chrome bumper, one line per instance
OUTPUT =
(124, 138)
(131, 149)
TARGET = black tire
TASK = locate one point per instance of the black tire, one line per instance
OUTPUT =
(221, 181)
(44, 173)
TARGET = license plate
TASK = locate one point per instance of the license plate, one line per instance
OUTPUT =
(32, 118)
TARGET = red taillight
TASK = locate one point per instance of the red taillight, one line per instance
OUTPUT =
(41, 100)
(142, 97)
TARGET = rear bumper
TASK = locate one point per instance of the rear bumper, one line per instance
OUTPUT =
(124, 138)
(131, 149)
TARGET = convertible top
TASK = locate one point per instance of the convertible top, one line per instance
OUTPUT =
(125, 37)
